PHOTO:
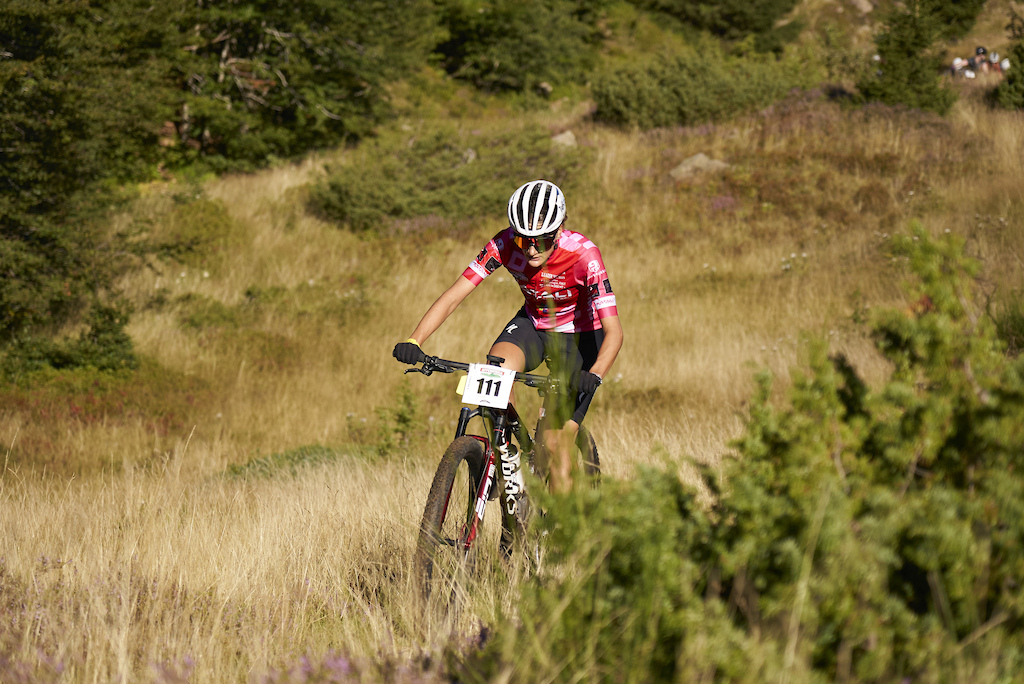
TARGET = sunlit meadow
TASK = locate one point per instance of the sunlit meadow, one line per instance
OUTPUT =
(145, 544)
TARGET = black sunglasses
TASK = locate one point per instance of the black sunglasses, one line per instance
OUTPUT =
(542, 242)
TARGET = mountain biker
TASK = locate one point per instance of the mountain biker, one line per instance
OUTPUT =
(569, 317)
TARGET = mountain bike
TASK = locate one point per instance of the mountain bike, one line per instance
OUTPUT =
(476, 469)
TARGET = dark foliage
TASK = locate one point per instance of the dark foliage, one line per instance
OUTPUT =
(727, 18)
(909, 66)
(516, 44)
(1009, 94)
(268, 77)
(693, 87)
(956, 17)
(97, 93)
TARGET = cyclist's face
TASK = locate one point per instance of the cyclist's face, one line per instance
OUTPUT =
(536, 257)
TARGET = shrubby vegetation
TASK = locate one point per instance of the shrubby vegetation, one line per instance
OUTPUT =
(727, 18)
(696, 85)
(955, 17)
(1009, 94)
(864, 534)
(100, 93)
(439, 170)
(910, 65)
(517, 44)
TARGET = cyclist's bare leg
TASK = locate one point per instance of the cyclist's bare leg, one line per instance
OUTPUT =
(560, 444)
(514, 359)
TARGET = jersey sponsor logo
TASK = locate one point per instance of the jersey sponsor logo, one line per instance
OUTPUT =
(607, 286)
(594, 267)
(481, 255)
(510, 328)
(492, 265)
(562, 295)
(605, 302)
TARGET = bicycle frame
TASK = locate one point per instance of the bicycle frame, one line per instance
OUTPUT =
(500, 464)
(511, 466)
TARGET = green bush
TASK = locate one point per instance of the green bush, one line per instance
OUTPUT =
(728, 18)
(1009, 94)
(516, 44)
(439, 170)
(859, 533)
(696, 86)
(104, 346)
(955, 17)
(909, 70)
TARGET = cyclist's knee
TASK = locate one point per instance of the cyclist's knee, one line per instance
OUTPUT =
(513, 355)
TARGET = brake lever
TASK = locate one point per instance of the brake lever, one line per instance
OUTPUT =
(424, 370)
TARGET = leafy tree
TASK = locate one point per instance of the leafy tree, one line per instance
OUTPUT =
(909, 67)
(727, 18)
(269, 77)
(91, 88)
(516, 44)
(80, 108)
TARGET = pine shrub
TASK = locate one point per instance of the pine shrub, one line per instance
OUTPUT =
(1009, 94)
(859, 533)
(695, 86)
(909, 68)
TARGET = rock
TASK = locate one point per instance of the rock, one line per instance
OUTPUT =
(696, 165)
(566, 139)
(544, 89)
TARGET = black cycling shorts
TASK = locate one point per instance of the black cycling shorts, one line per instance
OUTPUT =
(566, 354)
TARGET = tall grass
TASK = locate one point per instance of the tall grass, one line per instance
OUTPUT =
(127, 553)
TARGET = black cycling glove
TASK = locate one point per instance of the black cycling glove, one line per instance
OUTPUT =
(408, 352)
(589, 382)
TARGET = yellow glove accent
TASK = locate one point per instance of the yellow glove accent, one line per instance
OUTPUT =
(413, 341)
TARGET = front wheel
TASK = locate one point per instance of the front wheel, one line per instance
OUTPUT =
(440, 552)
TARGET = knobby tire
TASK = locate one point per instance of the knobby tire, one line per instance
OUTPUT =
(448, 509)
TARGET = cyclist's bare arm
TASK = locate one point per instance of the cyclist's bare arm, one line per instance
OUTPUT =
(610, 346)
(442, 308)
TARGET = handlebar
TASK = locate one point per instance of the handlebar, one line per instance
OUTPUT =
(433, 363)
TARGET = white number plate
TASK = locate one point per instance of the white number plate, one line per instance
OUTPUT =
(488, 385)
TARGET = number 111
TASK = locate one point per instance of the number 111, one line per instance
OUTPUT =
(488, 392)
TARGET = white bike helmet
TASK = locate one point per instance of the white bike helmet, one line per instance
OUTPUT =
(536, 208)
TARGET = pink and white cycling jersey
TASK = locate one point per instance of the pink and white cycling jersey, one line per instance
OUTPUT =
(570, 293)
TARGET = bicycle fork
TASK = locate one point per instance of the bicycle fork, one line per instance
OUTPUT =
(511, 472)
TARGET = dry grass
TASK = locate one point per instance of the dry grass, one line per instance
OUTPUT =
(152, 563)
